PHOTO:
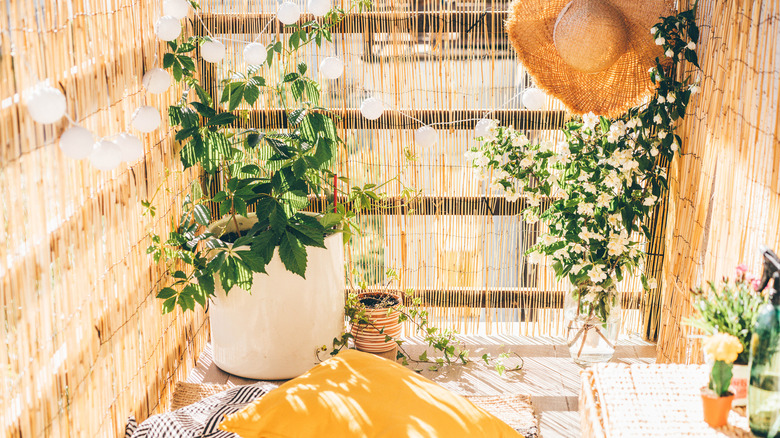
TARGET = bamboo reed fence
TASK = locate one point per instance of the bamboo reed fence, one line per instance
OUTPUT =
(84, 342)
(457, 245)
(724, 190)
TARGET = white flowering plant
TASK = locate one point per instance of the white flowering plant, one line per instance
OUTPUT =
(597, 190)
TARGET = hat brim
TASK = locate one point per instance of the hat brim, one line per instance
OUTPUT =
(610, 92)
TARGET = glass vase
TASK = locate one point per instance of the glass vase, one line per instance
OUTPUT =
(592, 317)
(764, 389)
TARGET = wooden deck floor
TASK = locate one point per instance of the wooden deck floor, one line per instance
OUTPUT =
(549, 375)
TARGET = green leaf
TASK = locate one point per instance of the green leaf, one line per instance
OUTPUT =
(224, 118)
(277, 217)
(166, 293)
(289, 77)
(201, 214)
(302, 67)
(293, 254)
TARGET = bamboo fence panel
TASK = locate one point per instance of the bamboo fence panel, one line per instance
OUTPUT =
(84, 343)
(461, 249)
(724, 195)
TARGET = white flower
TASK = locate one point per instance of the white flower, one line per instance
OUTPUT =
(585, 209)
(546, 146)
(588, 187)
(534, 199)
(560, 254)
(651, 70)
(577, 248)
(660, 41)
(694, 89)
(526, 161)
(657, 119)
(603, 200)
(674, 146)
(669, 53)
(652, 283)
(596, 274)
(547, 239)
(650, 200)
(632, 252)
(653, 30)
(614, 219)
(618, 243)
(613, 181)
(654, 152)
(576, 268)
(519, 141)
(670, 97)
(512, 195)
(481, 161)
(691, 46)
(662, 134)
(589, 120)
(530, 217)
(661, 100)
(535, 258)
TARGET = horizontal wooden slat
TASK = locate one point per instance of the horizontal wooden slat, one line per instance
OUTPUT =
(497, 298)
(428, 21)
(441, 206)
(351, 118)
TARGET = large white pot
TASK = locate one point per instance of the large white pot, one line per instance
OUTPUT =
(273, 332)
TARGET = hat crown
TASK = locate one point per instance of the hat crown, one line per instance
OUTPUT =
(590, 35)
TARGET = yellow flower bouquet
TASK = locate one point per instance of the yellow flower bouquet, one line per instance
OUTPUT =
(724, 349)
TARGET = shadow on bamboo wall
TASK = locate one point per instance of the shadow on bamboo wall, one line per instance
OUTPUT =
(84, 342)
(724, 189)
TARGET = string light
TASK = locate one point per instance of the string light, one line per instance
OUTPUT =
(106, 155)
(426, 136)
(146, 119)
(332, 67)
(255, 54)
(167, 28)
(481, 129)
(319, 8)
(534, 99)
(288, 12)
(131, 149)
(372, 108)
(212, 51)
(46, 104)
(77, 142)
(156, 81)
(176, 8)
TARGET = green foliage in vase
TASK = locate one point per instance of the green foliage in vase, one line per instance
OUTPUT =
(597, 190)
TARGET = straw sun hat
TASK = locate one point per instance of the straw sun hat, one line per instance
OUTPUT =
(593, 55)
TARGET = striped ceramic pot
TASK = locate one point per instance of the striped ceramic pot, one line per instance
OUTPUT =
(383, 322)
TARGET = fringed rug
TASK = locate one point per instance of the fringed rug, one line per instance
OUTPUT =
(515, 410)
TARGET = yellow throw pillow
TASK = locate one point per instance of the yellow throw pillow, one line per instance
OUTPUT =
(361, 395)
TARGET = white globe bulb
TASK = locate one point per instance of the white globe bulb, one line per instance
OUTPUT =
(319, 8)
(130, 147)
(167, 28)
(212, 51)
(426, 136)
(288, 12)
(146, 119)
(77, 142)
(176, 8)
(372, 108)
(534, 99)
(46, 104)
(157, 81)
(106, 155)
(332, 67)
(481, 129)
(255, 54)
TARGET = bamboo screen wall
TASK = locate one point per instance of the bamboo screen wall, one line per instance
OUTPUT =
(725, 189)
(84, 344)
(459, 245)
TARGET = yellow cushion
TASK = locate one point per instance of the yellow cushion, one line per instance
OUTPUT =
(361, 395)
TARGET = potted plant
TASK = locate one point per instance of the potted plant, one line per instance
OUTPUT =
(603, 184)
(280, 228)
(730, 307)
(379, 326)
(716, 397)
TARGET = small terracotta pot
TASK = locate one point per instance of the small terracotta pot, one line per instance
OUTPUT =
(371, 337)
(716, 409)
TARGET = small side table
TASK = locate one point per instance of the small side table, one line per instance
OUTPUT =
(642, 400)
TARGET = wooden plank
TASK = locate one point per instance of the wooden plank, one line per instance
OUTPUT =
(351, 118)
(462, 22)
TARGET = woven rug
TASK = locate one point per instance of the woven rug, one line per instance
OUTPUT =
(515, 410)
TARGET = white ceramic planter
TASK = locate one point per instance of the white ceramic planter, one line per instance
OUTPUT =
(273, 332)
